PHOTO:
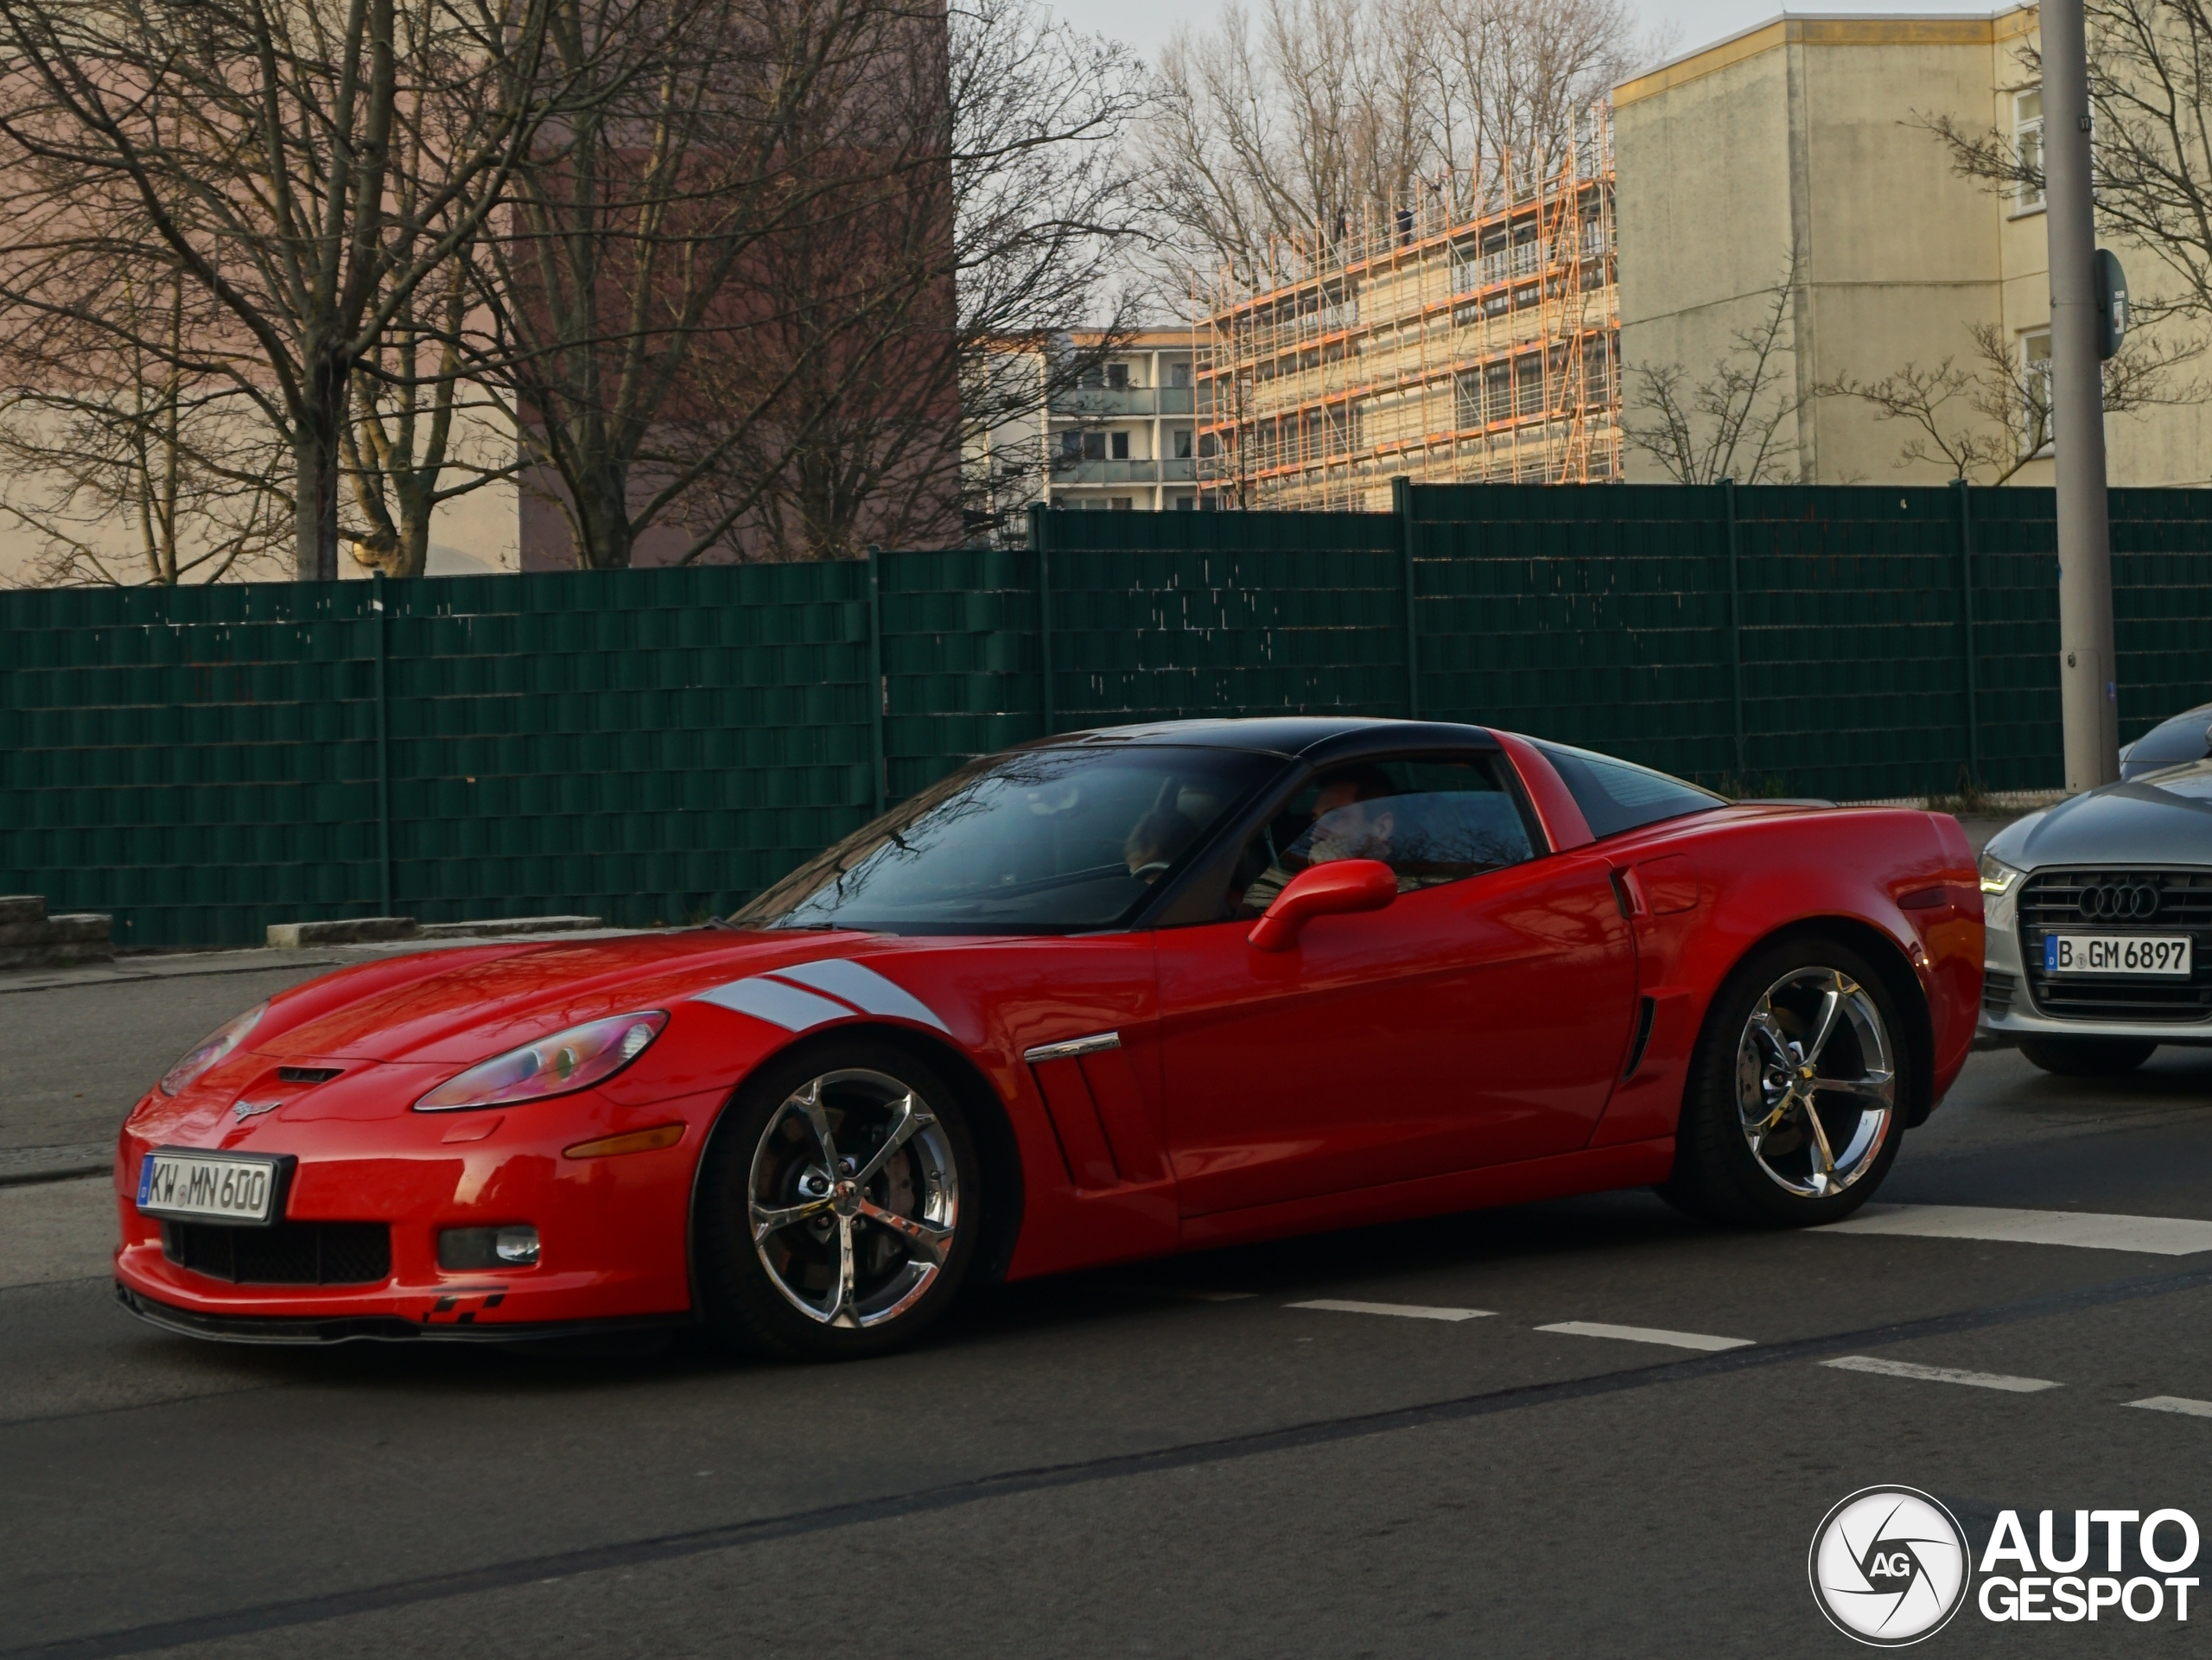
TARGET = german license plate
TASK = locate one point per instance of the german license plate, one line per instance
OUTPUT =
(209, 1186)
(2164, 955)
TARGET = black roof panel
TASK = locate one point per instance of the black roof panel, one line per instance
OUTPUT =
(1314, 736)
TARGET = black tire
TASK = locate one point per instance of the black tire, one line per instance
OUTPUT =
(1718, 1176)
(750, 1295)
(2086, 1056)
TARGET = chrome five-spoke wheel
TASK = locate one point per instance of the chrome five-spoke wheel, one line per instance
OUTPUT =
(1816, 1082)
(1800, 1088)
(853, 1198)
(840, 1203)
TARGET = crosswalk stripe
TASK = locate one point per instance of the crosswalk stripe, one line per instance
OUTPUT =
(2157, 1236)
(1987, 1380)
(2180, 1403)
(1647, 1334)
(1403, 1310)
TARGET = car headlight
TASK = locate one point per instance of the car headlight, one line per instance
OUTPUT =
(211, 1048)
(1997, 876)
(567, 1061)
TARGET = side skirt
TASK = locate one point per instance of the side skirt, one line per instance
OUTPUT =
(1594, 1170)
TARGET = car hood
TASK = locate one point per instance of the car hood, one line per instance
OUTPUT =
(2162, 818)
(458, 1011)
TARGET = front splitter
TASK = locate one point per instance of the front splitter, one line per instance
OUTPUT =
(297, 1331)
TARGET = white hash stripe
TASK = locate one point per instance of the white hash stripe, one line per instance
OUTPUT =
(1647, 1334)
(1987, 1380)
(1403, 1310)
(2157, 1236)
(2180, 1403)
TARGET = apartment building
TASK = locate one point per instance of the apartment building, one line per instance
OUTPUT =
(1798, 156)
(1126, 438)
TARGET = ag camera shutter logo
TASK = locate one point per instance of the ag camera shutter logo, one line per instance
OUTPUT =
(1889, 1566)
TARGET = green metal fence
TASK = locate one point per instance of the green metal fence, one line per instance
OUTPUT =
(654, 745)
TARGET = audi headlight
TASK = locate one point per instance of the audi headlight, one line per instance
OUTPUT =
(1997, 876)
(211, 1048)
(561, 1065)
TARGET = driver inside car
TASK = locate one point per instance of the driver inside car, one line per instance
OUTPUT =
(1154, 840)
(1351, 820)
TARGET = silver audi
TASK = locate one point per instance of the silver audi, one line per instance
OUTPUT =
(2100, 912)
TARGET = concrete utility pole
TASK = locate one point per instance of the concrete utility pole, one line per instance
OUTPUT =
(2087, 672)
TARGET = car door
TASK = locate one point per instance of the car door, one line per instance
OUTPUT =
(1480, 1019)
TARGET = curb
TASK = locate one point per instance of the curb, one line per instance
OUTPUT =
(20, 1166)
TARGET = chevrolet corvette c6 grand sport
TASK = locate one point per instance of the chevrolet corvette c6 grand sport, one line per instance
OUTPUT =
(1108, 996)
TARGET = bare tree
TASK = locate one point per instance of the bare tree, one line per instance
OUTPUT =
(250, 152)
(743, 311)
(1986, 420)
(126, 468)
(1284, 127)
(1739, 421)
(627, 325)
(2150, 80)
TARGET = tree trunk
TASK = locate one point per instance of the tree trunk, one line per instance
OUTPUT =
(602, 510)
(318, 466)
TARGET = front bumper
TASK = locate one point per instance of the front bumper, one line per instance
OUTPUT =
(2019, 1018)
(615, 1228)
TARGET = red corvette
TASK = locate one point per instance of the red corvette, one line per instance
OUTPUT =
(1113, 995)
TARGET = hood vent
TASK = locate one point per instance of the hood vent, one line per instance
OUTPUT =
(307, 1074)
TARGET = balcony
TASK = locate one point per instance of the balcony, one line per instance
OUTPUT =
(1095, 401)
(1100, 403)
(1066, 472)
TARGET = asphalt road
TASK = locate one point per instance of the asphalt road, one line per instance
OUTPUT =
(1172, 1459)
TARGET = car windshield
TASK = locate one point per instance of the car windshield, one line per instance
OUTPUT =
(1044, 840)
(2172, 742)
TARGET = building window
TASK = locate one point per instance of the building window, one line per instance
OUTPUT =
(1117, 376)
(1121, 504)
(1182, 443)
(1121, 446)
(1093, 375)
(1178, 374)
(2027, 144)
(2035, 388)
(1187, 504)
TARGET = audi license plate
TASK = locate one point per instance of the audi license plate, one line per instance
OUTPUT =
(2164, 955)
(209, 1186)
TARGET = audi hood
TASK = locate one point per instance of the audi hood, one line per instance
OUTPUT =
(2162, 818)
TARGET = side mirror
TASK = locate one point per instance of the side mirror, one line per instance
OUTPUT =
(1324, 890)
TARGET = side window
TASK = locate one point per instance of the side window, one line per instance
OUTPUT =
(1617, 795)
(1430, 821)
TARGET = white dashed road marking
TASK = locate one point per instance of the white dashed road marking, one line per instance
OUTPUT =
(2180, 1403)
(2157, 1236)
(1647, 1334)
(1403, 1310)
(1987, 1380)
(1191, 1294)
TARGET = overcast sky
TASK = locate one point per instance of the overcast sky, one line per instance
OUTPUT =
(1146, 23)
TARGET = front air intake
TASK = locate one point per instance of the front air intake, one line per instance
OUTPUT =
(291, 1253)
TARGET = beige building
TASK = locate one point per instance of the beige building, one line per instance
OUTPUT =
(1806, 139)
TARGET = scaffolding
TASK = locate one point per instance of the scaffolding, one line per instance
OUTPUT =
(1447, 339)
